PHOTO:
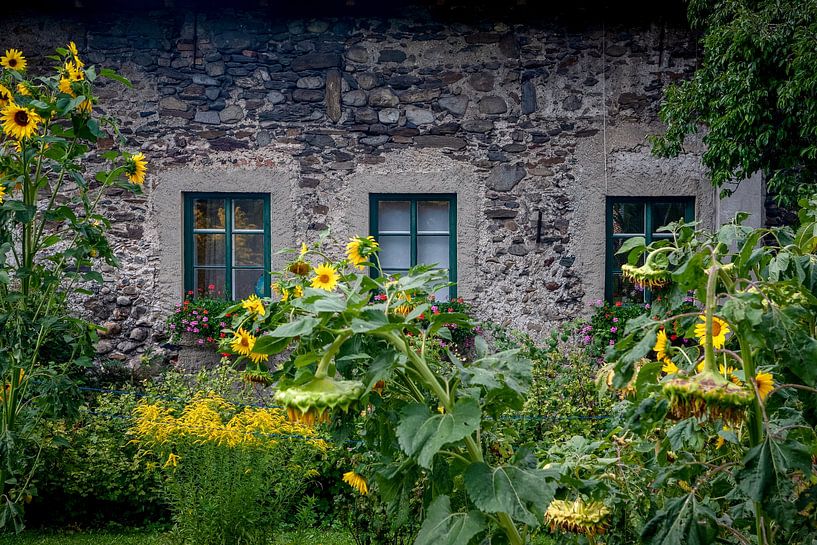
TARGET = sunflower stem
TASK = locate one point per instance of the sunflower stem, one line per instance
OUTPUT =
(709, 315)
(323, 365)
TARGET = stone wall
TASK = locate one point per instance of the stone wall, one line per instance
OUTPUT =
(517, 119)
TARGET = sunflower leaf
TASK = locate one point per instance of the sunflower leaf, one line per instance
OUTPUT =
(442, 527)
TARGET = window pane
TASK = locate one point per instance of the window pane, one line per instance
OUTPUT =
(247, 282)
(442, 294)
(626, 291)
(248, 214)
(664, 213)
(395, 252)
(394, 216)
(210, 249)
(628, 217)
(208, 213)
(621, 259)
(432, 216)
(433, 250)
(205, 278)
(248, 250)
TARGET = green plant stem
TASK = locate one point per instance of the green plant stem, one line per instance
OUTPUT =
(329, 355)
(709, 315)
(474, 450)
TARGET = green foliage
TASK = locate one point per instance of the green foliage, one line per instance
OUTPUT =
(754, 93)
(741, 469)
(52, 246)
(199, 316)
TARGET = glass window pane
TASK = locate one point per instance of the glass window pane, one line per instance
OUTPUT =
(394, 216)
(433, 250)
(395, 252)
(442, 294)
(205, 278)
(628, 217)
(210, 249)
(248, 213)
(248, 250)
(247, 282)
(664, 213)
(621, 259)
(208, 213)
(626, 291)
(432, 216)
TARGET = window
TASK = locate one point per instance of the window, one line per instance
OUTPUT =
(415, 229)
(629, 217)
(227, 243)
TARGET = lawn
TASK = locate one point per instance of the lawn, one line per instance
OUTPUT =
(316, 537)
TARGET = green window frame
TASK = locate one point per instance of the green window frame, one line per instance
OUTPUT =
(415, 201)
(629, 217)
(233, 235)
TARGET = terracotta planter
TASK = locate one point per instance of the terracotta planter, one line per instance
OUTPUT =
(194, 356)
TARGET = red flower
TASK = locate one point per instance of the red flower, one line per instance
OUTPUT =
(450, 309)
(205, 311)
(190, 292)
(211, 287)
(227, 315)
(618, 303)
(673, 337)
(421, 317)
(222, 335)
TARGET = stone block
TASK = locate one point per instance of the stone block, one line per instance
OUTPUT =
(456, 105)
(307, 95)
(505, 177)
(492, 105)
(315, 61)
(275, 97)
(173, 103)
(482, 81)
(391, 55)
(435, 141)
(309, 82)
(334, 85)
(231, 114)
(383, 97)
(478, 125)
(209, 118)
(357, 54)
(388, 116)
(354, 98)
(214, 69)
(419, 116)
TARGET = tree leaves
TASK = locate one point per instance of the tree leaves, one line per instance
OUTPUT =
(442, 527)
(523, 493)
(683, 520)
(422, 434)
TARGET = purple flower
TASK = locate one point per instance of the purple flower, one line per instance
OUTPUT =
(222, 324)
(200, 341)
(172, 326)
(204, 319)
(194, 323)
(599, 302)
(195, 313)
(647, 306)
(195, 330)
(613, 329)
(615, 320)
(612, 342)
(587, 339)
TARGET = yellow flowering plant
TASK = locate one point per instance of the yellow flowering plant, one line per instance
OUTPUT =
(748, 383)
(231, 472)
(52, 241)
(349, 339)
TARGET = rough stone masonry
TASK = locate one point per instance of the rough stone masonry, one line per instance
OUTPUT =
(515, 118)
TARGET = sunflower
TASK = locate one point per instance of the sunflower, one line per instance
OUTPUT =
(326, 277)
(299, 267)
(85, 107)
(403, 310)
(23, 89)
(136, 168)
(2, 193)
(660, 348)
(359, 249)
(242, 342)
(669, 367)
(357, 482)
(5, 97)
(721, 441)
(258, 358)
(65, 87)
(72, 48)
(13, 60)
(254, 305)
(765, 384)
(720, 330)
(297, 291)
(728, 372)
(304, 249)
(581, 517)
(74, 71)
(19, 122)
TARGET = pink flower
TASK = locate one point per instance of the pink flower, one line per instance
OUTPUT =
(204, 320)
(587, 339)
(195, 330)
(612, 342)
(172, 326)
(613, 329)
(200, 341)
(615, 320)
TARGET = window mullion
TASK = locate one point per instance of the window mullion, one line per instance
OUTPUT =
(228, 245)
(413, 230)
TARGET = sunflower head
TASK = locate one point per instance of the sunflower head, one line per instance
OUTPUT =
(254, 305)
(20, 122)
(326, 277)
(299, 267)
(257, 375)
(314, 401)
(65, 87)
(646, 276)
(359, 249)
(136, 167)
(5, 96)
(13, 60)
(580, 517)
(707, 394)
(765, 384)
(720, 330)
(22, 89)
(2, 193)
(357, 482)
(242, 342)
(73, 71)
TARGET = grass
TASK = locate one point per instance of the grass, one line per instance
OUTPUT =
(135, 537)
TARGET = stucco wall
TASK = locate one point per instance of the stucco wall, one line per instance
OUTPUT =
(516, 118)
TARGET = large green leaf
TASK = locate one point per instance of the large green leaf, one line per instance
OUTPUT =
(422, 434)
(302, 326)
(523, 493)
(442, 527)
(683, 520)
(765, 467)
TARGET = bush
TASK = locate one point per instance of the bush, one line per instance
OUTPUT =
(198, 316)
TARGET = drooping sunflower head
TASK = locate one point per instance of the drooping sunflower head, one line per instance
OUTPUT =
(86, 106)
(2, 193)
(403, 310)
(65, 87)
(257, 373)
(20, 122)
(22, 89)
(580, 517)
(709, 395)
(720, 330)
(13, 60)
(326, 277)
(254, 305)
(243, 342)
(74, 71)
(136, 167)
(669, 367)
(314, 401)
(299, 267)
(661, 344)
(359, 249)
(5, 96)
(357, 482)
(646, 276)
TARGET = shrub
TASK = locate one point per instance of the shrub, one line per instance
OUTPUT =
(198, 317)
(232, 473)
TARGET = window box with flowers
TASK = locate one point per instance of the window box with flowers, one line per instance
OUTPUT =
(196, 327)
